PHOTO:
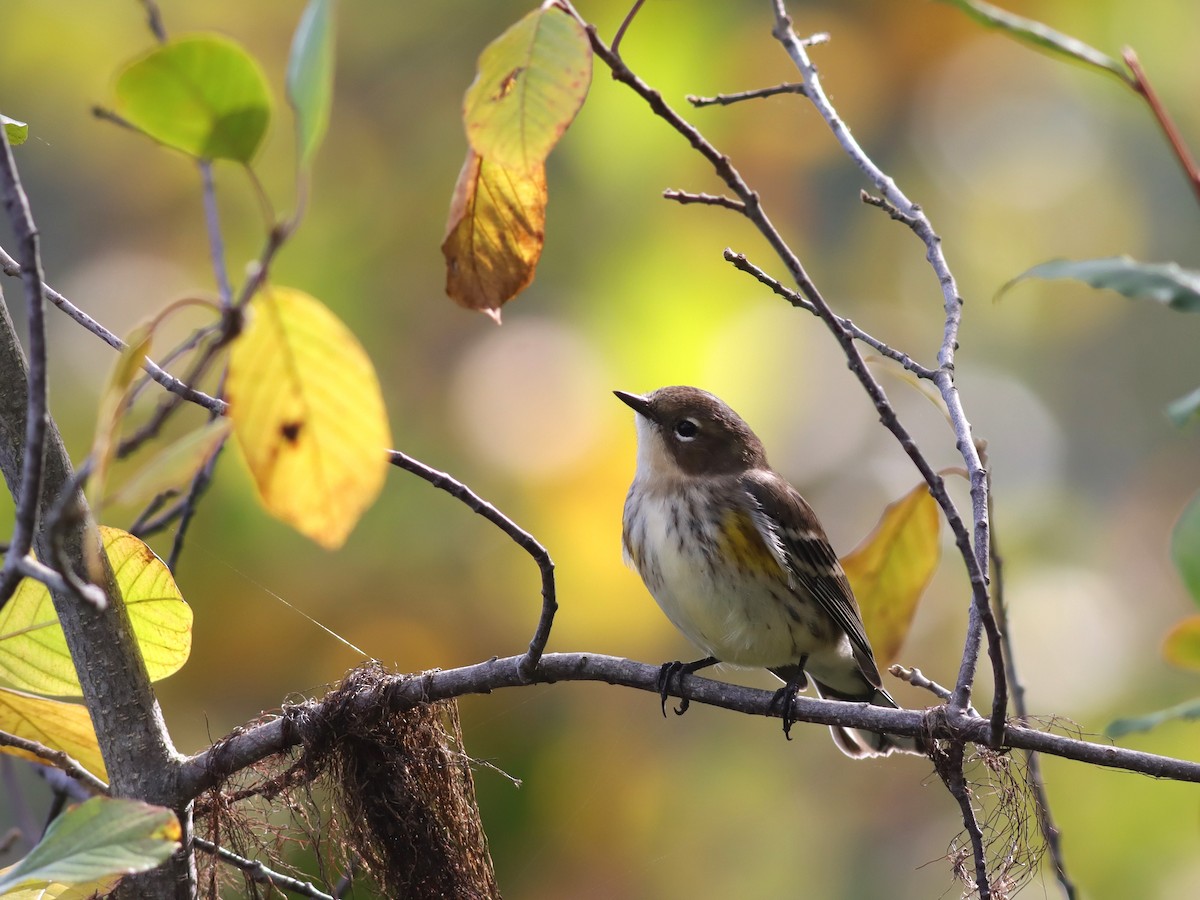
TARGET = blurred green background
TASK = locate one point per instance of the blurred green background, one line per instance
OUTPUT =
(1017, 158)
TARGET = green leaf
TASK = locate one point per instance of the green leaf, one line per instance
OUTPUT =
(204, 95)
(33, 651)
(17, 132)
(1185, 547)
(1164, 283)
(1187, 710)
(531, 82)
(100, 837)
(310, 76)
(1185, 410)
(1040, 36)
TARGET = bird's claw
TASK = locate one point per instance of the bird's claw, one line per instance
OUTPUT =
(666, 672)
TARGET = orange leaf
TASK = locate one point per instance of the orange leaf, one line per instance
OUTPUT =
(890, 569)
(494, 234)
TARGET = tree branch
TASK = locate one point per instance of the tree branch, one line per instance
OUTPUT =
(10, 267)
(254, 742)
(58, 759)
(259, 873)
(28, 492)
(523, 539)
(976, 557)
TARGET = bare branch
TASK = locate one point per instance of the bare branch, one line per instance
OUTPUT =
(523, 539)
(740, 262)
(257, 741)
(949, 766)
(976, 556)
(160, 375)
(58, 759)
(16, 207)
(686, 197)
(216, 244)
(260, 873)
(1142, 85)
(1033, 763)
(788, 87)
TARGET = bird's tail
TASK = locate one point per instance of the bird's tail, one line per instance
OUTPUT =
(860, 744)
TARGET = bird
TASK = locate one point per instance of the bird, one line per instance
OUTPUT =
(739, 562)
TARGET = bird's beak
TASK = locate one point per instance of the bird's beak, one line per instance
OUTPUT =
(638, 403)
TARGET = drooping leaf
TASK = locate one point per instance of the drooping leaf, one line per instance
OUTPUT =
(890, 569)
(1185, 711)
(17, 132)
(175, 465)
(1181, 647)
(494, 234)
(1185, 547)
(531, 82)
(203, 94)
(310, 76)
(308, 414)
(33, 650)
(53, 723)
(1040, 36)
(1185, 410)
(112, 410)
(100, 837)
(1164, 283)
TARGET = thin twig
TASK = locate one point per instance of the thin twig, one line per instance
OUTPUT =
(154, 21)
(950, 768)
(788, 87)
(187, 510)
(216, 244)
(10, 267)
(259, 873)
(742, 264)
(1142, 85)
(686, 197)
(170, 404)
(16, 207)
(1033, 762)
(58, 759)
(624, 26)
(975, 555)
(523, 539)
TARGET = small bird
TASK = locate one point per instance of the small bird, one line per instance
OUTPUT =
(739, 562)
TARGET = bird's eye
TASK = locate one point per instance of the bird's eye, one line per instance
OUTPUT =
(686, 429)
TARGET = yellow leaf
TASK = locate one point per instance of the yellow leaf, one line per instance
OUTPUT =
(531, 82)
(1181, 647)
(33, 650)
(57, 725)
(890, 569)
(308, 415)
(494, 234)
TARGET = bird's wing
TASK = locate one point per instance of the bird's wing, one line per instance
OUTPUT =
(790, 528)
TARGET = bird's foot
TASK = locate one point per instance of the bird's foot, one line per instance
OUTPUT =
(677, 670)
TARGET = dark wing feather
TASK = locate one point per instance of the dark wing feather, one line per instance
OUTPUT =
(791, 529)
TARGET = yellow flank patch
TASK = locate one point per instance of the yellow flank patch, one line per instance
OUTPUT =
(742, 544)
